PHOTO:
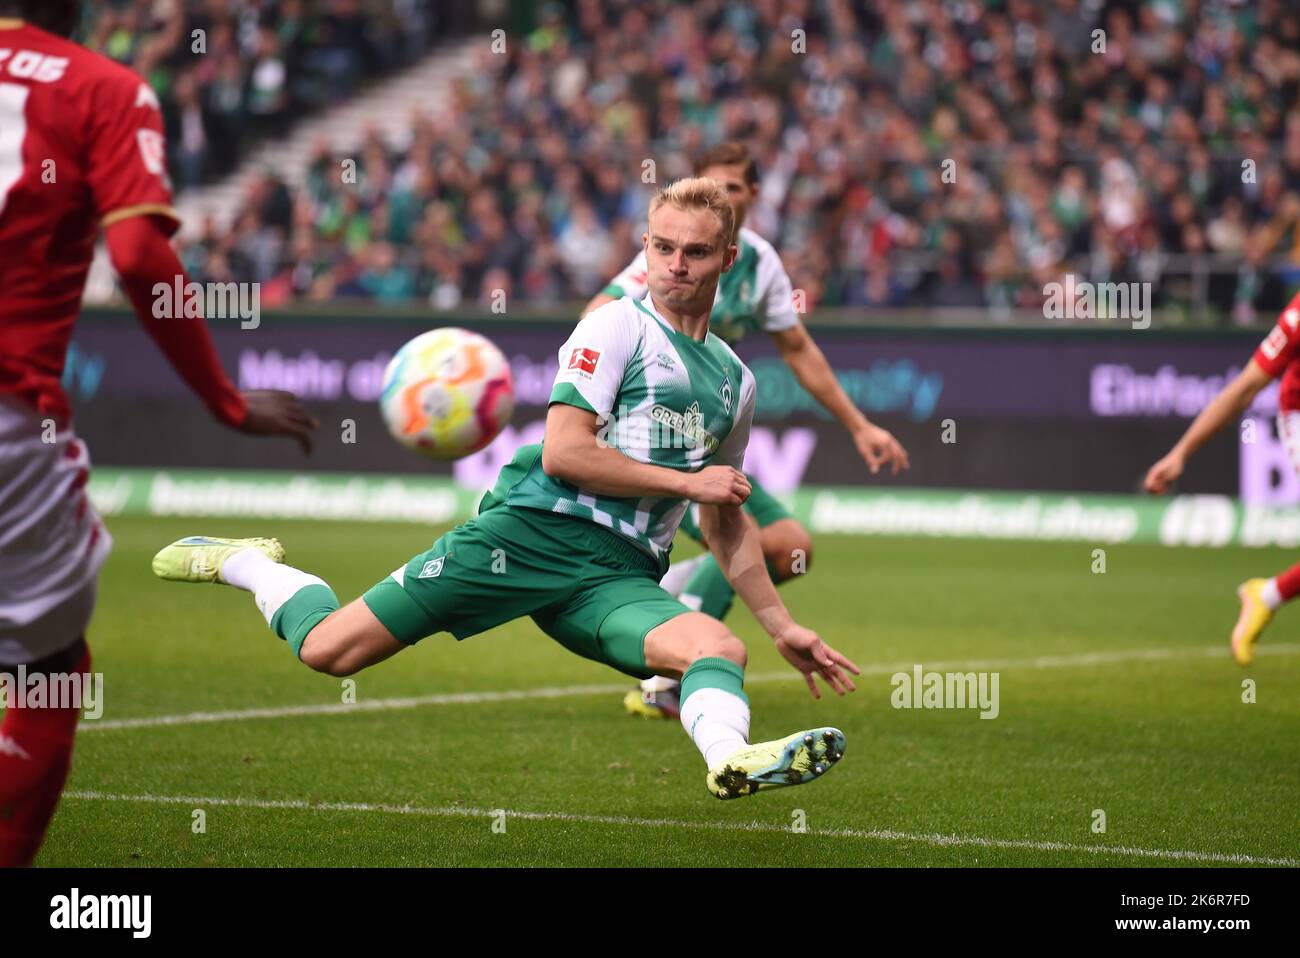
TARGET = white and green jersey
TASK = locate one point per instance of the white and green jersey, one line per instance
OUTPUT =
(660, 397)
(755, 294)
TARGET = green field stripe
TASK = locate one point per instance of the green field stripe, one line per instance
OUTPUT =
(877, 835)
(1082, 660)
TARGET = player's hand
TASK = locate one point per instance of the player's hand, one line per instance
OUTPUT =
(804, 649)
(719, 486)
(879, 448)
(1164, 474)
(274, 412)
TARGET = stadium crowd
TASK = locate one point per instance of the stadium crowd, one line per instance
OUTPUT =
(228, 72)
(920, 152)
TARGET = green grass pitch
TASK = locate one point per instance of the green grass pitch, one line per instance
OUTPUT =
(1116, 693)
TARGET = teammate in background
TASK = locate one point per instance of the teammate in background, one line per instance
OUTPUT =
(756, 294)
(81, 148)
(1278, 355)
(649, 410)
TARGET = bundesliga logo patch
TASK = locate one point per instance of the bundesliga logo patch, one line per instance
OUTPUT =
(584, 360)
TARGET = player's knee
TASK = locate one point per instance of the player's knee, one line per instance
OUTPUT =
(787, 547)
(672, 648)
(733, 650)
(722, 645)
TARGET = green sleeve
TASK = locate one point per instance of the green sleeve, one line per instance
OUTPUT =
(568, 394)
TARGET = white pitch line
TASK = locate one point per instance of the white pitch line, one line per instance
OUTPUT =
(875, 834)
(337, 708)
(570, 691)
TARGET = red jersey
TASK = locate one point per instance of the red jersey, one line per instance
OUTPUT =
(1279, 355)
(81, 147)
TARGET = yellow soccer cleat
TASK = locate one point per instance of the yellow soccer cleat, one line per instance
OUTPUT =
(1255, 615)
(199, 558)
(789, 761)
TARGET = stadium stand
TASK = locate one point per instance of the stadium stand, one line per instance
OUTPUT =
(922, 153)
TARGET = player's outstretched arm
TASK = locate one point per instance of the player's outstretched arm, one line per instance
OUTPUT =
(573, 450)
(808, 363)
(733, 539)
(1233, 400)
(143, 257)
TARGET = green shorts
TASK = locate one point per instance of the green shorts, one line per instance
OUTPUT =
(588, 588)
(761, 504)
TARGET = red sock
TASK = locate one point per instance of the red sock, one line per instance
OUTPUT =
(1288, 583)
(35, 756)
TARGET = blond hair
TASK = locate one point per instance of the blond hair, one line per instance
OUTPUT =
(698, 193)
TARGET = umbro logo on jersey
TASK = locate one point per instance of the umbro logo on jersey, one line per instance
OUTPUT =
(432, 569)
(666, 361)
(725, 393)
(584, 360)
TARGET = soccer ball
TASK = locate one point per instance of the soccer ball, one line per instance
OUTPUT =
(447, 393)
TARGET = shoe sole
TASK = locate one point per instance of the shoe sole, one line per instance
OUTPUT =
(806, 756)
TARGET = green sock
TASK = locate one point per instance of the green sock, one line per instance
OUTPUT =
(714, 673)
(710, 586)
(301, 613)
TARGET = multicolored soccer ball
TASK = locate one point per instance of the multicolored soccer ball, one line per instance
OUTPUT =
(447, 393)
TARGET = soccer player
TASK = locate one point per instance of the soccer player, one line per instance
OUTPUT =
(1278, 355)
(81, 148)
(649, 410)
(755, 294)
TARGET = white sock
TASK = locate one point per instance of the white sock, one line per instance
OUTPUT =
(659, 683)
(717, 722)
(679, 573)
(272, 583)
(1271, 595)
(243, 569)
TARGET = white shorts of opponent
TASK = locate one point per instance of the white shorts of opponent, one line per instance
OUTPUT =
(52, 542)
(1288, 430)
